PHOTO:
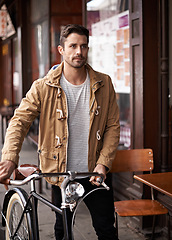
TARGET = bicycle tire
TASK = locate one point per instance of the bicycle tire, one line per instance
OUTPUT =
(14, 211)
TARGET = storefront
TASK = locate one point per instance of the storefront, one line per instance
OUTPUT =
(129, 40)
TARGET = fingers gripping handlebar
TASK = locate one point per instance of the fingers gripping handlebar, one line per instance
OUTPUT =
(6, 182)
(28, 172)
(20, 173)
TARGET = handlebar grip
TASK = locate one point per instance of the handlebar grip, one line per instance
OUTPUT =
(105, 186)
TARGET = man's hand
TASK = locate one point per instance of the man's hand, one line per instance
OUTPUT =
(6, 169)
(99, 169)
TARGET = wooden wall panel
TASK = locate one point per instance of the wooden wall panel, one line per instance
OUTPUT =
(63, 13)
(66, 7)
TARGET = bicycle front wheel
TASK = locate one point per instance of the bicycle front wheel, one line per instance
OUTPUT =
(14, 211)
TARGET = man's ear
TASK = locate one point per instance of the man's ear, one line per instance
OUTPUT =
(60, 49)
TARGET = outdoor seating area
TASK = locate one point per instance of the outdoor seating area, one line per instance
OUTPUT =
(141, 160)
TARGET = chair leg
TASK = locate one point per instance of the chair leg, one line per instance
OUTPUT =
(153, 227)
(116, 223)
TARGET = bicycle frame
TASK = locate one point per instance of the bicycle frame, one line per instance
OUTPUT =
(34, 197)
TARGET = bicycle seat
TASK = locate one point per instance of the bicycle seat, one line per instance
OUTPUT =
(24, 171)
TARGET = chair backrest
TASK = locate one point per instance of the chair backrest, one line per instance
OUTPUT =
(134, 160)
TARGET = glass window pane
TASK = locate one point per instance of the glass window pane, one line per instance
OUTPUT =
(108, 23)
(39, 9)
(40, 54)
(40, 38)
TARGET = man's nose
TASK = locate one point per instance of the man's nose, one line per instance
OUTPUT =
(79, 50)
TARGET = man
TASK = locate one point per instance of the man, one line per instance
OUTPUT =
(79, 127)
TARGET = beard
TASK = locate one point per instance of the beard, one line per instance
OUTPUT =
(77, 61)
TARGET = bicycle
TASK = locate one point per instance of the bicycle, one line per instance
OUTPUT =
(19, 213)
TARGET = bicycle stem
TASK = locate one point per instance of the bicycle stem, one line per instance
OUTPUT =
(67, 179)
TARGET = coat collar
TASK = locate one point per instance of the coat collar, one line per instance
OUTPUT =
(53, 77)
(96, 80)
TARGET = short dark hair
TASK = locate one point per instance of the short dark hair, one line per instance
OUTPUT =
(73, 28)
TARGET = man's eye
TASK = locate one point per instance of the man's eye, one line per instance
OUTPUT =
(84, 46)
(73, 46)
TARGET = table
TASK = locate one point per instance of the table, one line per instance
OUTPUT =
(159, 181)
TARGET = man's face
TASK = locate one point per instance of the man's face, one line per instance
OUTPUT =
(75, 50)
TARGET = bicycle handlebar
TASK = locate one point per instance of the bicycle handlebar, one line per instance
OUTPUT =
(20, 182)
(70, 175)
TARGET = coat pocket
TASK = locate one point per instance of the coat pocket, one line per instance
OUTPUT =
(49, 163)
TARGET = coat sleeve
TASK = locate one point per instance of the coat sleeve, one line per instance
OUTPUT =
(111, 133)
(20, 123)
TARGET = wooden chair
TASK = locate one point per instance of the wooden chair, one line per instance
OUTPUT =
(136, 160)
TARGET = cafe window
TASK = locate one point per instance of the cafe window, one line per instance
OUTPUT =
(108, 23)
(40, 38)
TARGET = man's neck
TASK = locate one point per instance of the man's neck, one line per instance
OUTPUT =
(75, 76)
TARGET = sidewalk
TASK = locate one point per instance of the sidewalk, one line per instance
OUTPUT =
(47, 217)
